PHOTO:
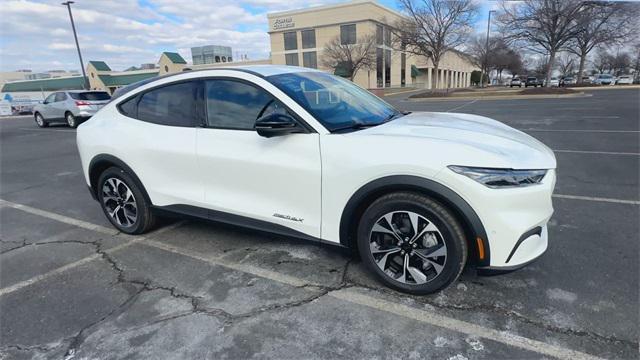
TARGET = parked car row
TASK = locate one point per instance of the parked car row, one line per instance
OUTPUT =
(599, 79)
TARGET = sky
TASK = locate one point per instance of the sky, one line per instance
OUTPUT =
(37, 35)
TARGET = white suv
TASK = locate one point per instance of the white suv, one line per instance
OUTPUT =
(302, 153)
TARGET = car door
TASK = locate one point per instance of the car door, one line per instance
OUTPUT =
(158, 143)
(58, 107)
(248, 177)
(47, 104)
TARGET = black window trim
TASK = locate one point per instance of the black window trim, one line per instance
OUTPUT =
(197, 121)
(201, 105)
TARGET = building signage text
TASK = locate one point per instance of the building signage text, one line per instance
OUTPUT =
(283, 23)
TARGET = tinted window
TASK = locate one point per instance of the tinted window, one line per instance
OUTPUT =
(310, 59)
(308, 39)
(290, 40)
(173, 105)
(348, 34)
(130, 107)
(291, 59)
(91, 96)
(61, 96)
(237, 105)
(335, 102)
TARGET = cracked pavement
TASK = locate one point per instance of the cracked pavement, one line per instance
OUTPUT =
(194, 289)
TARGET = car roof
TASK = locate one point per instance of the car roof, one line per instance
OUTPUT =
(84, 91)
(258, 70)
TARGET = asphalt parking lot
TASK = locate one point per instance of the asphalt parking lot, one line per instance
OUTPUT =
(72, 287)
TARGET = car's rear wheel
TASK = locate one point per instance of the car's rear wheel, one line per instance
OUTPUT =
(123, 202)
(71, 120)
(412, 243)
(40, 121)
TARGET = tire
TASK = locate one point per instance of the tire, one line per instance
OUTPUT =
(435, 259)
(71, 120)
(40, 121)
(118, 206)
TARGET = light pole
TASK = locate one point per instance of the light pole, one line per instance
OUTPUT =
(75, 36)
(486, 52)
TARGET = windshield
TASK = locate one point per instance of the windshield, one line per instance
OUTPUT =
(605, 76)
(91, 96)
(336, 103)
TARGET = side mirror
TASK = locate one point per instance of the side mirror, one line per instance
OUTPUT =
(275, 124)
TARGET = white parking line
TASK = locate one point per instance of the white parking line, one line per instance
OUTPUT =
(597, 152)
(582, 130)
(49, 130)
(463, 105)
(349, 295)
(460, 326)
(598, 199)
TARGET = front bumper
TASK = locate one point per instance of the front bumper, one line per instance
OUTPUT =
(515, 219)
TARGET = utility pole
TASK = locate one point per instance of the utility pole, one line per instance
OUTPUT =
(486, 53)
(75, 36)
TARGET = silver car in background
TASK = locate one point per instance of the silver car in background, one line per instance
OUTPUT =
(71, 107)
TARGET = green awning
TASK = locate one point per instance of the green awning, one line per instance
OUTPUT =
(415, 72)
(125, 79)
(53, 84)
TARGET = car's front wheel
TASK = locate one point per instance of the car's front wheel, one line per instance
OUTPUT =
(40, 121)
(412, 243)
(123, 202)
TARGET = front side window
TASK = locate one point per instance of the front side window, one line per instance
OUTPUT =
(348, 34)
(50, 98)
(172, 105)
(60, 97)
(336, 103)
(290, 40)
(310, 59)
(291, 59)
(308, 39)
(237, 105)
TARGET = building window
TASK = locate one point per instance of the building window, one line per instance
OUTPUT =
(379, 67)
(166, 68)
(387, 68)
(310, 59)
(290, 40)
(348, 34)
(403, 69)
(387, 37)
(379, 31)
(291, 59)
(308, 39)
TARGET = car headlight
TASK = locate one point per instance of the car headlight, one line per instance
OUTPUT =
(501, 178)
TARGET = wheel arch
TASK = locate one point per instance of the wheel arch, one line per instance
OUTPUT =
(368, 193)
(102, 162)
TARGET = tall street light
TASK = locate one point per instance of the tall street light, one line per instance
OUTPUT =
(486, 52)
(75, 36)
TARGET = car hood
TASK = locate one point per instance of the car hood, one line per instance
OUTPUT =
(471, 138)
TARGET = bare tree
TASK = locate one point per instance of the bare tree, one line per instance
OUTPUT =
(602, 61)
(434, 27)
(566, 64)
(620, 63)
(603, 23)
(636, 63)
(350, 58)
(546, 26)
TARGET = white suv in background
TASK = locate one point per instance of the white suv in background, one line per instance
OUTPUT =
(302, 153)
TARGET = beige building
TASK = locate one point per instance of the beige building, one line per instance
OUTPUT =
(298, 37)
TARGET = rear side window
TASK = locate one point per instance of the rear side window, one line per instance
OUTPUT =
(237, 105)
(172, 105)
(91, 96)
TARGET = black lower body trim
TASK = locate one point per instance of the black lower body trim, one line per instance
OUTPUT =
(244, 222)
(93, 193)
(501, 270)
